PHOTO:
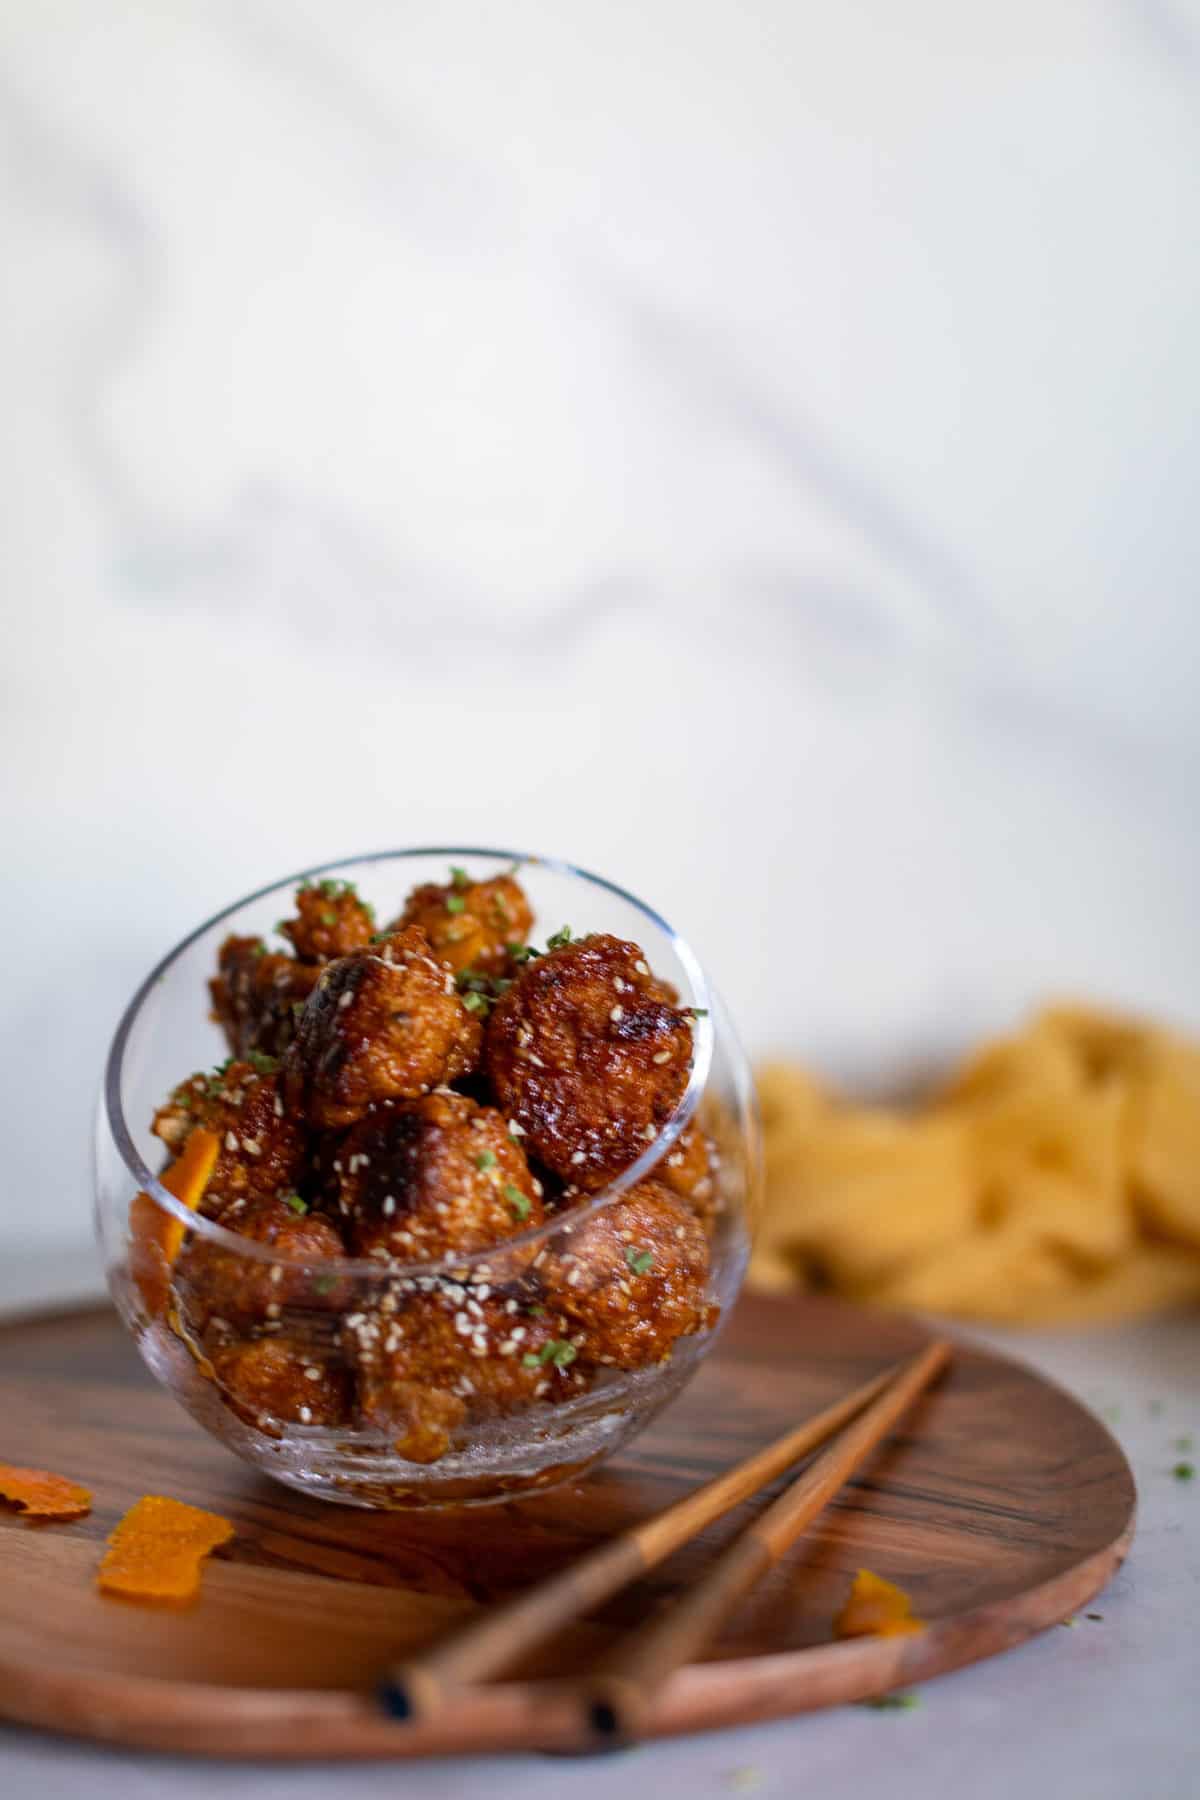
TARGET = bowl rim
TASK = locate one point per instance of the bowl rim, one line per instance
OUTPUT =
(459, 1265)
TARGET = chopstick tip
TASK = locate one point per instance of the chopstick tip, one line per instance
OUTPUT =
(394, 1699)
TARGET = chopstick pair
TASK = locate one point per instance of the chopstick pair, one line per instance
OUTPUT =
(616, 1695)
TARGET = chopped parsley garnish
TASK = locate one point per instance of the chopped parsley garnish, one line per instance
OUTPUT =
(697, 1012)
(459, 877)
(519, 1202)
(638, 1260)
(1184, 1471)
(455, 903)
(559, 1351)
(536, 1310)
(324, 1284)
(522, 953)
(560, 939)
(296, 1203)
(329, 918)
(260, 949)
(475, 1003)
(261, 1063)
(486, 1159)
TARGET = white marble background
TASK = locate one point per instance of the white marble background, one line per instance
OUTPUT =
(750, 449)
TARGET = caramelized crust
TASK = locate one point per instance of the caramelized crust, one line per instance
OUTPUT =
(471, 923)
(420, 1180)
(587, 1058)
(330, 921)
(270, 1381)
(382, 1024)
(444, 1358)
(263, 1151)
(632, 1277)
(257, 995)
(214, 1283)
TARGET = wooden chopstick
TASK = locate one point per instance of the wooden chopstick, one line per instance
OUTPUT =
(618, 1692)
(487, 1645)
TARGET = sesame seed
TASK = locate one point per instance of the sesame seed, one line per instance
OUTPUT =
(518, 1333)
(231, 1142)
(389, 1205)
(681, 1231)
(536, 1061)
(618, 984)
(481, 1293)
(312, 1373)
(578, 1156)
(507, 1347)
(642, 968)
(515, 1130)
(651, 1132)
(675, 1158)
(541, 1388)
(344, 1000)
(252, 1147)
(278, 1107)
(510, 1306)
(575, 1277)
(616, 1014)
(274, 1310)
(661, 1056)
(306, 1415)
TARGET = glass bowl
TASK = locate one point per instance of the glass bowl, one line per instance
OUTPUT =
(510, 1409)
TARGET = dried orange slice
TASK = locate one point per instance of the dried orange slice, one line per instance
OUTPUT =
(41, 1495)
(155, 1237)
(156, 1551)
(876, 1608)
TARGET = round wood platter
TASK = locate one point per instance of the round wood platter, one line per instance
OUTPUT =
(1001, 1506)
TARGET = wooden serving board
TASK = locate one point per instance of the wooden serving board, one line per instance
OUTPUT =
(1002, 1506)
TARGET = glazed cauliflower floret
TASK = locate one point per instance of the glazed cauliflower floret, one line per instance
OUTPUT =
(587, 1058)
(632, 1278)
(433, 1361)
(471, 924)
(330, 921)
(272, 1381)
(423, 1179)
(262, 1149)
(384, 1023)
(214, 1283)
(257, 994)
(689, 1169)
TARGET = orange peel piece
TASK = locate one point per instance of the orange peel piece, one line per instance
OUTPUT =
(157, 1549)
(41, 1495)
(155, 1237)
(876, 1608)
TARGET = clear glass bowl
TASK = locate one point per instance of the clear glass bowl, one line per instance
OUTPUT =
(557, 1429)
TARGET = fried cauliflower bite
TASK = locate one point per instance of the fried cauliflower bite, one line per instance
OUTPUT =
(273, 1381)
(215, 1284)
(424, 1179)
(430, 1361)
(263, 1151)
(330, 921)
(689, 1169)
(471, 923)
(384, 1023)
(587, 1058)
(257, 994)
(631, 1279)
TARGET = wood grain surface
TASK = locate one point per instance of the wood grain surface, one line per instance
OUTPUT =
(1000, 1504)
